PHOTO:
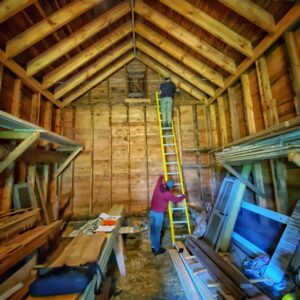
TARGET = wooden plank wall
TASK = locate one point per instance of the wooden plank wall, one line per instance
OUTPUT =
(122, 159)
(238, 124)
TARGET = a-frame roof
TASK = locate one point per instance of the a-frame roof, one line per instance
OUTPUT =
(63, 48)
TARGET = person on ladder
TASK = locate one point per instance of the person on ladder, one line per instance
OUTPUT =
(166, 92)
(159, 205)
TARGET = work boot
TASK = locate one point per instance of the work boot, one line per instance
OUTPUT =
(159, 251)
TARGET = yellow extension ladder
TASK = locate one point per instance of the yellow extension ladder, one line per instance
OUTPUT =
(178, 213)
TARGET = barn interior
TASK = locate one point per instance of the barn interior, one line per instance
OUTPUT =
(82, 146)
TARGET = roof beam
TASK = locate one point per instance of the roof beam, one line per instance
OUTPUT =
(27, 80)
(91, 83)
(252, 12)
(291, 17)
(90, 70)
(211, 25)
(174, 66)
(180, 54)
(154, 65)
(185, 36)
(48, 25)
(78, 37)
(87, 54)
(9, 8)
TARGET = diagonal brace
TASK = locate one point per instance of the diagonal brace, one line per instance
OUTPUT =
(67, 162)
(20, 149)
(242, 179)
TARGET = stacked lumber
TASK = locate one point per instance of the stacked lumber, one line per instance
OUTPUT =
(223, 272)
(24, 244)
(14, 222)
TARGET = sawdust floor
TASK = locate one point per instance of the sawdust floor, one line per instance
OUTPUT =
(148, 277)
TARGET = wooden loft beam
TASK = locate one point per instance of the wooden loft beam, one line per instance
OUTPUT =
(174, 66)
(178, 53)
(27, 80)
(291, 17)
(9, 8)
(185, 36)
(93, 82)
(45, 27)
(34, 156)
(211, 25)
(154, 65)
(87, 54)
(78, 37)
(90, 70)
(252, 12)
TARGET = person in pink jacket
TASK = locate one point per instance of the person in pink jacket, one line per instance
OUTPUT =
(159, 205)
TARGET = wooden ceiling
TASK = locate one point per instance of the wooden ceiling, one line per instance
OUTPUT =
(64, 48)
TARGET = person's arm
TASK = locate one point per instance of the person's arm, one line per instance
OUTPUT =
(174, 198)
(160, 179)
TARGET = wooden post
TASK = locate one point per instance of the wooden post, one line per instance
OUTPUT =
(222, 119)
(16, 99)
(35, 108)
(235, 210)
(233, 114)
(213, 122)
(294, 57)
(1, 76)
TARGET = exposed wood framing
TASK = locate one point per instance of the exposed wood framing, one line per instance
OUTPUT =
(8, 8)
(291, 17)
(213, 124)
(16, 99)
(35, 108)
(87, 54)
(233, 114)
(48, 25)
(295, 158)
(151, 63)
(179, 53)
(78, 37)
(211, 25)
(294, 58)
(90, 70)
(90, 84)
(252, 12)
(42, 156)
(222, 120)
(185, 36)
(1, 76)
(174, 66)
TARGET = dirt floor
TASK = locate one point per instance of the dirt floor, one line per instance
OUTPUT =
(148, 277)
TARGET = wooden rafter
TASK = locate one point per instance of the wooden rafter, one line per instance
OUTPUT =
(252, 12)
(29, 81)
(9, 8)
(185, 36)
(87, 54)
(104, 74)
(174, 66)
(211, 25)
(78, 37)
(90, 70)
(180, 54)
(154, 65)
(291, 17)
(45, 27)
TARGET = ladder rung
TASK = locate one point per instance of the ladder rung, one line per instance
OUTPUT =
(172, 163)
(182, 236)
(170, 153)
(167, 135)
(169, 144)
(166, 128)
(178, 208)
(179, 222)
(177, 184)
(173, 173)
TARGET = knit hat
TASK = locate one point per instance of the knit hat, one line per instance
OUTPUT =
(170, 183)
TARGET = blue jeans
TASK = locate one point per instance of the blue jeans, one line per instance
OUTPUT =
(166, 104)
(156, 223)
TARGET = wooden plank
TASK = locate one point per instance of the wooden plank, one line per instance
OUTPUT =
(16, 98)
(35, 108)
(78, 37)
(213, 124)
(293, 54)
(153, 64)
(174, 66)
(42, 156)
(211, 25)
(233, 114)
(8, 8)
(184, 36)
(1, 76)
(252, 12)
(222, 120)
(22, 147)
(48, 25)
(90, 84)
(289, 18)
(93, 68)
(179, 53)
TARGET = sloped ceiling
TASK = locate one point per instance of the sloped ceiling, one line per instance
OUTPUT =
(64, 48)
